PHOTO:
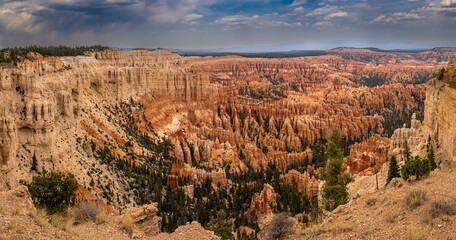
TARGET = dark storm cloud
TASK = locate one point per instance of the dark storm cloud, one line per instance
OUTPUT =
(71, 17)
(224, 23)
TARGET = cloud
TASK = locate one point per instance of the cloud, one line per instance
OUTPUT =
(20, 21)
(339, 14)
(381, 18)
(18, 17)
(192, 17)
(323, 23)
(298, 2)
(396, 17)
(322, 11)
(405, 16)
(280, 24)
(447, 3)
(298, 9)
(72, 16)
(236, 19)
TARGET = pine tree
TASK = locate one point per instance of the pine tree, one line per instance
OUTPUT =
(431, 158)
(393, 170)
(222, 225)
(335, 190)
(407, 155)
(428, 145)
(34, 162)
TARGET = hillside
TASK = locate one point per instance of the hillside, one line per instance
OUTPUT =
(384, 214)
(183, 139)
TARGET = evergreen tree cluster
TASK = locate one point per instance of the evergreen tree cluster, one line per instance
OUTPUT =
(416, 167)
(16, 54)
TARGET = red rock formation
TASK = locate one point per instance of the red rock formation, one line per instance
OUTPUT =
(265, 202)
(173, 181)
(325, 68)
(303, 182)
(368, 157)
(184, 170)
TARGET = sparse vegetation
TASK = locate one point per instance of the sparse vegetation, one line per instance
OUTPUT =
(16, 225)
(371, 201)
(390, 216)
(438, 208)
(415, 234)
(102, 217)
(40, 217)
(415, 199)
(61, 221)
(127, 223)
(85, 211)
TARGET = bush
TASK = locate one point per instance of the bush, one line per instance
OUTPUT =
(371, 201)
(127, 223)
(54, 191)
(61, 222)
(281, 226)
(102, 217)
(86, 211)
(416, 167)
(438, 208)
(415, 199)
(390, 216)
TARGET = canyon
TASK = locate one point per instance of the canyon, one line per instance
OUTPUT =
(125, 122)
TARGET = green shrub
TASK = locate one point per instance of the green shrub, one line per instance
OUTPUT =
(438, 208)
(54, 191)
(416, 167)
(416, 199)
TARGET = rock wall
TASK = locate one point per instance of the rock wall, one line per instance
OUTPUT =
(438, 124)
(440, 111)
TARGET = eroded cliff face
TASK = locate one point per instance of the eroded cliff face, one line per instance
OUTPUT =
(440, 111)
(50, 103)
(438, 124)
(81, 114)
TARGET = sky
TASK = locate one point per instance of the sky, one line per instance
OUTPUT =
(243, 25)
